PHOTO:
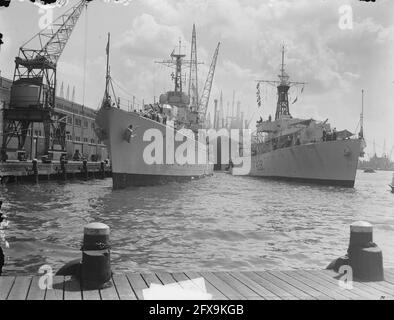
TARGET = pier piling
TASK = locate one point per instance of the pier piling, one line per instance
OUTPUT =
(35, 170)
(85, 169)
(63, 169)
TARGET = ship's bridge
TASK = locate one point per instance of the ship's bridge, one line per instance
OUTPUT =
(307, 129)
(283, 124)
(177, 98)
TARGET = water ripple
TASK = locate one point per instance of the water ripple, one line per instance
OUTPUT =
(217, 223)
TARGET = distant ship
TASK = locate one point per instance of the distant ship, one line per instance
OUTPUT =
(303, 149)
(174, 121)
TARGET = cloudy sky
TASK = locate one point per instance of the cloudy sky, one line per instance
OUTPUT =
(335, 62)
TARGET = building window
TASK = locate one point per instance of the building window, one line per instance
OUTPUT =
(85, 123)
(69, 120)
(91, 140)
(93, 127)
(85, 139)
(77, 139)
(77, 122)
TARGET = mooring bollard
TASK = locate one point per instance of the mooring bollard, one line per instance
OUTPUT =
(35, 170)
(365, 257)
(96, 265)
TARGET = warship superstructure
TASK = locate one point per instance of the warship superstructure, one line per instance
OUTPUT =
(160, 142)
(303, 149)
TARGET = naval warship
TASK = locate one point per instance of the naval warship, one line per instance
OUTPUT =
(302, 149)
(148, 146)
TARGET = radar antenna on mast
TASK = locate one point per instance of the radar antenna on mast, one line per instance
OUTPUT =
(283, 86)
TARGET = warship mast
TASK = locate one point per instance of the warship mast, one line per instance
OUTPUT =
(283, 86)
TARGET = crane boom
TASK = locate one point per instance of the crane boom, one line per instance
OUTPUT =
(54, 37)
(33, 90)
(193, 81)
(204, 100)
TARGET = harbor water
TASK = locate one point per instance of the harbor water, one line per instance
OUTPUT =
(218, 223)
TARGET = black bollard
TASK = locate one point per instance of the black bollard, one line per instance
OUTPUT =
(365, 257)
(35, 170)
(96, 264)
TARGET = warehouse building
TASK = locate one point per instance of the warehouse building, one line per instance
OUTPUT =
(80, 129)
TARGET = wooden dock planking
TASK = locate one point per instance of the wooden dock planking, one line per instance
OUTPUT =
(389, 276)
(296, 292)
(329, 286)
(91, 295)
(35, 292)
(324, 287)
(6, 284)
(239, 285)
(150, 278)
(57, 291)
(110, 293)
(278, 291)
(167, 279)
(222, 286)
(185, 282)
(20, 289)
(138, 284)
(72, 289)
(299, 284)
(216, 294)
(363, 291)
(123, 288)
(259, 289)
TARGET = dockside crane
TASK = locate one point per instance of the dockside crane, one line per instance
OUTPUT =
(33, 90)
(193, 81)
(204, 100)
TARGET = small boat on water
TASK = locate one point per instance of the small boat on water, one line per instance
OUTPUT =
(369, 170)
(392, 184)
